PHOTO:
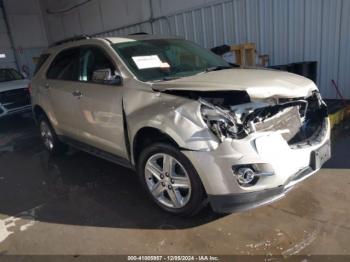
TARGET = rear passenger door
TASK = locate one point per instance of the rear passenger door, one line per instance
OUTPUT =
(101, 114)
(63, 87)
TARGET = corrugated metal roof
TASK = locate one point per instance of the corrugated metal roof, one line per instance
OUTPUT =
(287, 30)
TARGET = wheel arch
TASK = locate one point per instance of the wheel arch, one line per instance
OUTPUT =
(147, 136)
(37, 112)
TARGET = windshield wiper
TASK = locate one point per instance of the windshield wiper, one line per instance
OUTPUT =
(217, 68)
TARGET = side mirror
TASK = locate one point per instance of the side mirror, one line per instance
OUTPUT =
(104, 76)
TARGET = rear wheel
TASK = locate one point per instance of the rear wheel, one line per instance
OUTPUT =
(171, 180)
(51, 142)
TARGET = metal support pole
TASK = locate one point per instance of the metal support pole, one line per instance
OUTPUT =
(151, 19)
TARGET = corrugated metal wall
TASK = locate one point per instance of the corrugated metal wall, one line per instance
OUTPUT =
(28, 33)
(6, 48)
(288, 30)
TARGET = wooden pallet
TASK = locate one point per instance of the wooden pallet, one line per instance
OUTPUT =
(245, 54)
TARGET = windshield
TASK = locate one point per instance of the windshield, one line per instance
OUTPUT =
(164, 59)
(9, 74)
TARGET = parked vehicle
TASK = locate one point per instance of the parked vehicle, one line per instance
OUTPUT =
(194, 129)
(14, 93)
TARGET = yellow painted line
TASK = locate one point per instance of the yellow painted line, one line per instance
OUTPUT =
(339, 116)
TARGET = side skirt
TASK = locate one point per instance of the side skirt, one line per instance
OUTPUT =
(97, 152)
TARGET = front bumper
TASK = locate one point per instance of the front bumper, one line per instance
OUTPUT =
(5, 112)
(289, 166)
(244, 201)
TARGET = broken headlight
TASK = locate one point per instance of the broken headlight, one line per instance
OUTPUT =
(221, 122)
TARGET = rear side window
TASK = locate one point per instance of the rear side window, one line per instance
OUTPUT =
(65, 66)
(41, 61)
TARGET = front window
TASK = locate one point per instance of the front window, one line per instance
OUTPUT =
(93, 59)
(9, 74)
(163, 59)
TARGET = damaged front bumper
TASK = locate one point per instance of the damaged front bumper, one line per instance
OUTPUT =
(270, 152)
(244, 201)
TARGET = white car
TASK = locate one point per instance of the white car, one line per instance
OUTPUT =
(14, 93)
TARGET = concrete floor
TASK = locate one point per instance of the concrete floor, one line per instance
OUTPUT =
(79, 204)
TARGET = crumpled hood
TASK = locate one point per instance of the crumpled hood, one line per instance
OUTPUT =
(12, 85)
(258, 83)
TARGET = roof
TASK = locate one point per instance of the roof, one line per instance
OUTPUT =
(130, 38)
(76, 41)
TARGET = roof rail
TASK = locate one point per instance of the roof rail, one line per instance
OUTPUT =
(71, 39)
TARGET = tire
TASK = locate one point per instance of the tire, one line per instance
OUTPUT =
(177, 189)
(49, 137)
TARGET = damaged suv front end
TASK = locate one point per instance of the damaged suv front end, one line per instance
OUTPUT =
(273, 145)
(251, 134)
(264, 146)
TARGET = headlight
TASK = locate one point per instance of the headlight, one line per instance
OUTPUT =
(221, 122)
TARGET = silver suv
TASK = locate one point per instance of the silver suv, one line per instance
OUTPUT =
(194, 129)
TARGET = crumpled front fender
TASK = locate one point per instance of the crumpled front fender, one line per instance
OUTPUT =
(177, 117)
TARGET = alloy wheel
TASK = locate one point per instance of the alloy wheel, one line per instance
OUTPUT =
(168, 181)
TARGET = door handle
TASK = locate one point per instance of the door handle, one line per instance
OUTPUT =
(77, 94)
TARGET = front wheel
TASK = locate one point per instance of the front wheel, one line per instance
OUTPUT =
(171, 180)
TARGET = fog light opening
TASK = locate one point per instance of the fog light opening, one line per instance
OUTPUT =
(246, 176)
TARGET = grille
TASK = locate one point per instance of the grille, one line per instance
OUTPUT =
(288, 119)
(15, 98)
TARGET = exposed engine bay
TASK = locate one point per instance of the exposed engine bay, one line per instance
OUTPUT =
(233, 115)
(296, 119)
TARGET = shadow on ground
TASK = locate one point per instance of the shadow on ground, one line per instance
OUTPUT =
(77, 188)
